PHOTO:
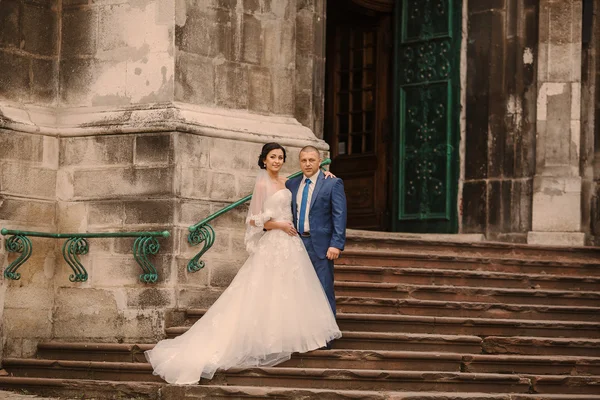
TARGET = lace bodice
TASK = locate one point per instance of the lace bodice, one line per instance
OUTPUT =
(278, 207)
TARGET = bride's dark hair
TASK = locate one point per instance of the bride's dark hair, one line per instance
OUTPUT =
(267, 148)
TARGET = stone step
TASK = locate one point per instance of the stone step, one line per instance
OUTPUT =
(345, 378)
(370, 305)
(252, 392)
(401, 242)
(541, 346)
(462, 261)
(381, 359)
(349, 379)
(468, 294)
(75, 388)
(77, 351)
(69, 369)
(364, 322)
(467, 326)
(460, 277)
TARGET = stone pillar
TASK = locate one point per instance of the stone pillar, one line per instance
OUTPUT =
(557, 182)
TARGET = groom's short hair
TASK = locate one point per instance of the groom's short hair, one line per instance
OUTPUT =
(310, 148)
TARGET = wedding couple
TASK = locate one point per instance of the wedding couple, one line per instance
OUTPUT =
(282, 299)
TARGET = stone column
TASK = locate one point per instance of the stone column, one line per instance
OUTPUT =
(557, 183)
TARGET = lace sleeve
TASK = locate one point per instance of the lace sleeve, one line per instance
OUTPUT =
(257, 212)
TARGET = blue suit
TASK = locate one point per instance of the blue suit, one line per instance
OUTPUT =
(327, 220)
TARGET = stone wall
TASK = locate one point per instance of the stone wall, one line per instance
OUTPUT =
(500, 118)
(29, 50)
(28, 170)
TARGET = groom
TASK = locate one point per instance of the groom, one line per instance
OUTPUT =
(319, 212)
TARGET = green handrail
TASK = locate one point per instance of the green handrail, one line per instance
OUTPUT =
(204, 232)
(145, 244)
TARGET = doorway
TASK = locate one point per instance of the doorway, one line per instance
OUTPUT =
(392, 111)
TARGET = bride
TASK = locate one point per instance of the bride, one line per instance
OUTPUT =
(275, 305)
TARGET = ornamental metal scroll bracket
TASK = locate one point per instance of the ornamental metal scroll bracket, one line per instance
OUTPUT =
(145, 244)
(203, 232)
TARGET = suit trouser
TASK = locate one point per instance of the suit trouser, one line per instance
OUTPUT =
(324, 270)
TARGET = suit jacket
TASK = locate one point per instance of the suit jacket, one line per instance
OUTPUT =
(327, 213)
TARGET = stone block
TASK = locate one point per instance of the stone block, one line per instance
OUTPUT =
(197, 31)
(283, 91)
(193, 150)
(122, 182)
(252, 6)
(27, 211)
(194, 79)
(474, 207)
(21, 146)
(556, 204)
(141, 298)
(76, 79)
(556, 238)
(72, 217)
(231, 85)
(105, 213)
(305, 32)
(27, 323)
(232, 155)
(97, 150)
(223, 271)
(15, 85)
(194, 182)
(260, 91)
(141, 325)
(191, 212)
(303, 107)
(245, 185)
(194, 279)
(251, 39)
(150, 149)
(79, 32)
(157, 212)
(198, 298)
(108, 271)
(9, 23)
(226, 33)
(86, 313)
(29, 298)
(50, 154)
(222, 187)
(28, 180)
(39, 30)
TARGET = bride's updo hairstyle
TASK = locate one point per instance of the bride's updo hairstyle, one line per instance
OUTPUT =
(267, 148)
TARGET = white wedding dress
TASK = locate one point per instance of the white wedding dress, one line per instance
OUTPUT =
(274, 307)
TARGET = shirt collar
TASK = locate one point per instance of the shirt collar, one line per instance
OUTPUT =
(313, 178)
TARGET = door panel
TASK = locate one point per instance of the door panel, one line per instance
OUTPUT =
(427, 62)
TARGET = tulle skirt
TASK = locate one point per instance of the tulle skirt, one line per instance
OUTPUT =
(274, 307)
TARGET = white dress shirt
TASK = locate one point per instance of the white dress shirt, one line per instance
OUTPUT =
(311, 188)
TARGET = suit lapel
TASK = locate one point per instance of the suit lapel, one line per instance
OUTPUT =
(318, 186)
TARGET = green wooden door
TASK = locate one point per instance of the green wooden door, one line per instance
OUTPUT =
(426, 111)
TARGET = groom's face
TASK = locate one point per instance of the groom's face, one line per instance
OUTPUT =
(309, 162)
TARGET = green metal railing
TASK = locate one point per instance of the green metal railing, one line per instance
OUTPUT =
(202, 232)
(145, 244)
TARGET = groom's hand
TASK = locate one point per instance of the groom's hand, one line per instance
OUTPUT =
(333, 253)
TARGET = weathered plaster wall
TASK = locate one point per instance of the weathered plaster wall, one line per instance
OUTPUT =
(116, 52)
(500, 118)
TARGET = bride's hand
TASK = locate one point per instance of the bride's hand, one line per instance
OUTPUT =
(328, 174)
(288, 228)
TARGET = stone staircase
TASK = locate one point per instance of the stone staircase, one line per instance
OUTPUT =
(421, 319)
